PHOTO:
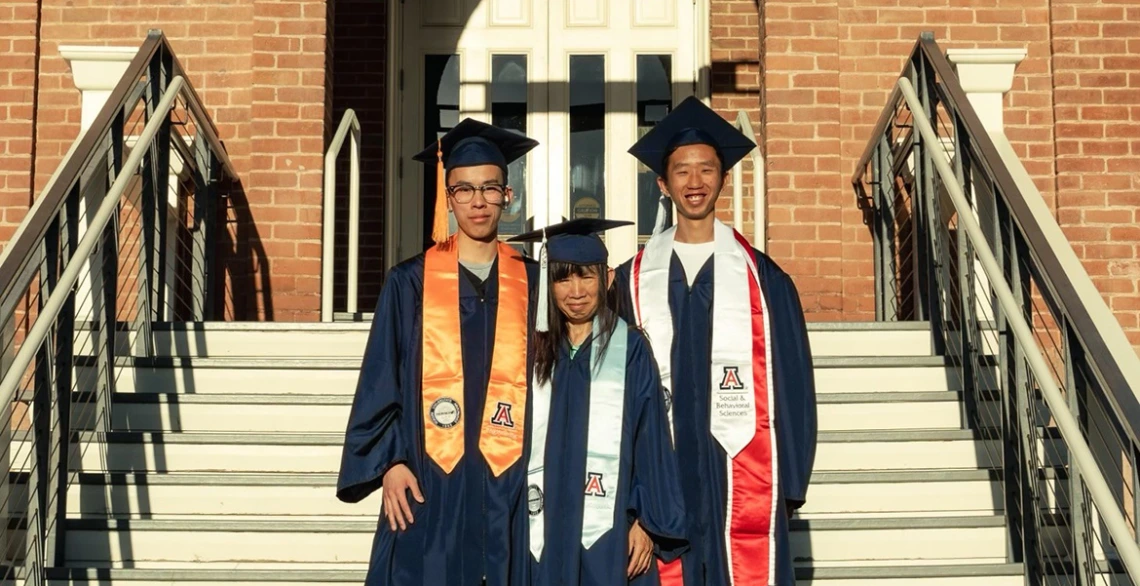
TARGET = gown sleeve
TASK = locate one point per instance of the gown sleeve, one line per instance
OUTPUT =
(795, 384)
(374, 442)
(656, 501)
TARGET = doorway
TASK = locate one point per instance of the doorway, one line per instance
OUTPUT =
(586, 78)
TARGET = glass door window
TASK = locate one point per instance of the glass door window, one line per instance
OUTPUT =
(586, 78)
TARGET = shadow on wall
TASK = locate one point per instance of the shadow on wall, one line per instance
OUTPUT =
(243, 266)
(725, 78)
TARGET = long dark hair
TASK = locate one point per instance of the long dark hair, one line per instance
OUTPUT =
(546, 343)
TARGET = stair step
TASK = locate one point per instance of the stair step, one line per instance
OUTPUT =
(890, 374)
(220, 539)
(915, 450)
(348, 340)
(996, 574)
(265, 413)
(917, 493)
(932, 575)
(338, 376)
(309, 453)
(846, 541)
(169, 412)
(162, 496)
(229, 577)
(247, 495)
(832, 494)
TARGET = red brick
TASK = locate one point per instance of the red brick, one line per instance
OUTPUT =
(1104, 113)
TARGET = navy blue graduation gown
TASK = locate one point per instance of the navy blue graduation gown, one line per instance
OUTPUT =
(705, 482)
(648, 486)
(472, 525)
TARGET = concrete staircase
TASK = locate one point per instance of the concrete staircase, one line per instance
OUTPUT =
(222, 465)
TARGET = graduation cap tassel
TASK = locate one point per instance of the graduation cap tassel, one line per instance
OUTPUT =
(439, 230)
(662, 213)
(542, 319)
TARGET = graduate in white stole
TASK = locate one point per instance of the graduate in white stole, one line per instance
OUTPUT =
(603, 489)
(728, 333)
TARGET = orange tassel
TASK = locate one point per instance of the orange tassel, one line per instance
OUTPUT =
(439, 231)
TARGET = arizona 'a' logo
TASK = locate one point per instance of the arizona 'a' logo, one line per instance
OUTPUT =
(731, 379)
(503, 415)
(594, 485)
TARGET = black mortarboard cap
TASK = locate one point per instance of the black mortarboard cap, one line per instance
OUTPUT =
(575, 241)
(470, 143)
(691, 122)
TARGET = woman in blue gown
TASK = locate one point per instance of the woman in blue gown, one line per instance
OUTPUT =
(603, 491)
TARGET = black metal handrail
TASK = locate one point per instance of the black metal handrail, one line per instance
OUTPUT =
(124, 238)
(1125, 398)
(31, 233)
(1043, 365)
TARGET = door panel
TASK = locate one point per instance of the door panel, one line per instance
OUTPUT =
(586, 78)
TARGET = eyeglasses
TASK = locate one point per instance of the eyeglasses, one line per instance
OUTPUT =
(492, 193)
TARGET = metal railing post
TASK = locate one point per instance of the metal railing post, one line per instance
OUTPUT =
(884, 189)
(65, 364)
(349, 128)
(351, 297)
(878, 240)
(202, 235)
(7, 516)
(1026, 436)
(156, 182)
(1083, 570)
(1007, 383)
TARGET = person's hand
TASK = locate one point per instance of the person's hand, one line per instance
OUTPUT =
(640, 551)
(397, 482)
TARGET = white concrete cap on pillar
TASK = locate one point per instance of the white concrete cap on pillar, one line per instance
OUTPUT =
(986, 75)
(95, 71)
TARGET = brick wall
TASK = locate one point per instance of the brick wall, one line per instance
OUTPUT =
(19, 29)
(806, 198)
(1096, 58)
(259, 67)
(735, 82)
(211, 38)
(288, 112)
(812, 75)
(829, 68)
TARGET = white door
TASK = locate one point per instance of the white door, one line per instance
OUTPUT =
(585, 78)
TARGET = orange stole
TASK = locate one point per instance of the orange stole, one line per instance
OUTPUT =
(504, 412)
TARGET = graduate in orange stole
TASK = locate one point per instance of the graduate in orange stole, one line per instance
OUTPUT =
(440, 413)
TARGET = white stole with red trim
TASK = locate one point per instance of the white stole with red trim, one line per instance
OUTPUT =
(741, 407)
(603, 443)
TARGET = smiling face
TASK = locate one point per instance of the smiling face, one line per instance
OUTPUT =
(577, 293)
(693, 179)
(477, 218)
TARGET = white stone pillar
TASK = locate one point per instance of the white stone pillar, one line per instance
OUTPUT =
(96, 71)
(986, 75)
